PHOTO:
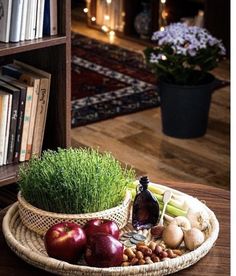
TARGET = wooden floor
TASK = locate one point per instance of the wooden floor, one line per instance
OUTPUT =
(137, 139)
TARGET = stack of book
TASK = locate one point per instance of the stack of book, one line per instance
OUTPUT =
(27, 19)
(24, 95)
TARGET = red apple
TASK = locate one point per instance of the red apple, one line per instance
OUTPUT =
(104, 251)
(95, 226)
(65, 241)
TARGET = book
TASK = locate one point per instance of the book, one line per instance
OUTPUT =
(31, 80)
(50, 18)
(23, 21)
(40, 14)
(43, 99)
(23, 91)
(26, 123)
(31, 20)
(16, 18)
(6, 144)
(4, 101)
(15, 92)
(5, 20)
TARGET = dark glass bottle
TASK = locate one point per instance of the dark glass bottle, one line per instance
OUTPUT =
(146, 208)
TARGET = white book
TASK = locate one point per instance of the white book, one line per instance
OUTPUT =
(5, 20)
(7, 130)
(40, 14)
(53, 17)
(16, 18)
(23, 21)
(4, 99)
(31, 20)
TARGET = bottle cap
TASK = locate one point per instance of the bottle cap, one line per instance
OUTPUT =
(144, 181)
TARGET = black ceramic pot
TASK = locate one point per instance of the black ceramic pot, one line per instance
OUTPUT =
(185, 109)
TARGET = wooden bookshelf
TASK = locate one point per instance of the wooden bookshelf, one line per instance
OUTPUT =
(52, 54)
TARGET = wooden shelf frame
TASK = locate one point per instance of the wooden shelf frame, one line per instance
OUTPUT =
(52, 54)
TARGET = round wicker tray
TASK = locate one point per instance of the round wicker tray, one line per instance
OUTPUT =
(30, 247)
(39, 221)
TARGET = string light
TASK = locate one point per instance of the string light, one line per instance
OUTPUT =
(106, 17)
(105, 28)
(163, 14)
(106, 24)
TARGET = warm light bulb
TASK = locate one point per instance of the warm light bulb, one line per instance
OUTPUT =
(85, 10)
(163, 1)
(105, 28)
(112, 33)
(112, 36)
(93, 18)
(164, 14)
(106, 17)
(109, 1)
(162, 29)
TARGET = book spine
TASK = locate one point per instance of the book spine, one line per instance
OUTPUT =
(19, 125)
(31, 20)
(34, 20)
(3, 125)
(41, 114)
(23, 22)
(32, 119)
(40, 19)
(5, 20)
(46, 18)
(7, 129)
(26, 122)
(53, 17)
(13, 124)
(16, 17)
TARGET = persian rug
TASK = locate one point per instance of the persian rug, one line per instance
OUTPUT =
(108, 81)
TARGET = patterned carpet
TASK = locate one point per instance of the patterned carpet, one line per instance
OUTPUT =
(108, 81)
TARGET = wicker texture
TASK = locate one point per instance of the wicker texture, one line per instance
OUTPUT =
(39, 221)
(29, 246)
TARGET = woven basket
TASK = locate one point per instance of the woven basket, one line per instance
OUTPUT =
(30, 247)
(39, 221)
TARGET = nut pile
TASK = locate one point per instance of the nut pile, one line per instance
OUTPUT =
(148, 254)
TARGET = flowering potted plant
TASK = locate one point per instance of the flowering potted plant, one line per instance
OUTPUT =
(182, 59)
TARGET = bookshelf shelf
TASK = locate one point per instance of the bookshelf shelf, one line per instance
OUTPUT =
(14, 48)
(51, 54)
(8, 174)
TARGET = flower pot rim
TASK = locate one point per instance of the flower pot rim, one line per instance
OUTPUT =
(194, 86)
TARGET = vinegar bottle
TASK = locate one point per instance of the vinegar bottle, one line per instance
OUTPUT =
(146, 208)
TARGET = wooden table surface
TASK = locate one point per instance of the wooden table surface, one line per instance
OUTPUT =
(216, 262)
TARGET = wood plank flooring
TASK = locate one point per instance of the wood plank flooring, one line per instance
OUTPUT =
(137, 139)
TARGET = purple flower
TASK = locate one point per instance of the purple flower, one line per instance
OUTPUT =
(185, 39)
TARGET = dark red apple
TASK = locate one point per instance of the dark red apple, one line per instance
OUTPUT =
(95, 226)
(65, 241)
(104, 251)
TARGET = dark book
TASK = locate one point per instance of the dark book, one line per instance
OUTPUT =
(46, 18)
(15, 92)
(21, 112)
